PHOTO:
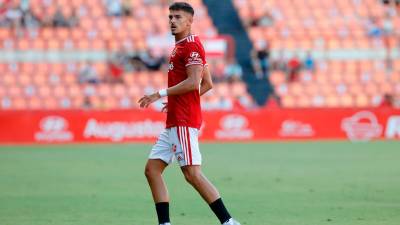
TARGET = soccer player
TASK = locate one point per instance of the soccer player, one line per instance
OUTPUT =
(188, 79)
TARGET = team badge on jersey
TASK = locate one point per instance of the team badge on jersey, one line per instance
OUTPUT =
(173, 52)
(171, 66)
(180, 156)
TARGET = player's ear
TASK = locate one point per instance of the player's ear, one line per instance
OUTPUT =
(190, 19)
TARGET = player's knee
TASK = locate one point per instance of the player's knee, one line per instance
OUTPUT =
(192, 176)
(150, 172)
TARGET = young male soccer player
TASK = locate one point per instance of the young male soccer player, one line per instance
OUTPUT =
(188, 79)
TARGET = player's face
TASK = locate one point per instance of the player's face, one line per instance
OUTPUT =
(179, 21)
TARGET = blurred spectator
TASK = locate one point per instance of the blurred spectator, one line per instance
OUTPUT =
(217, 67)
(294, 66)
(145, 60)
(273, 102)
(256, 66)
(87, 74)
(263, 57)
(266, 19)
(237, 105)
(387, 101)
(59, 19)
(115, 71)
(87, 103)
(127, 7)
(137, 62)
(29, 20)
(261, 61)
(373, 27)
(4, 6)
(13, 19)
(114, 7)
(388, 26)
(233, 71)
(242, 103)
(151, 62)
(224, 104)
(309, 62)
(280, 64)
(388, 33)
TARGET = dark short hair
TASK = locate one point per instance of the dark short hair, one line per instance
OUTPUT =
(184, 6)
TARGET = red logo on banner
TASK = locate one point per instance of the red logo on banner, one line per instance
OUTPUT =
(53, 129)
(362, 126)
(234, 126)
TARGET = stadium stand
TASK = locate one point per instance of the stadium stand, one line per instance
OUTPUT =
(93, 36)
(355, 45)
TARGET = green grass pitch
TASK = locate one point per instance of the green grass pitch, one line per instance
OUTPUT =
(296, 183)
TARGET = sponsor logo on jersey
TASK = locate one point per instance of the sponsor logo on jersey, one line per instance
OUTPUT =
(393, 127)
(194, 58)
(118, 131)
(362, 126)
(54, 129)
(234, 126)
(294, 128)
(194, 55)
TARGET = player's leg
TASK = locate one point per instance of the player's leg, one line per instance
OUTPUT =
(198, 180)
(153, 171)
(189, 158)
(159, 158)
(208, 192)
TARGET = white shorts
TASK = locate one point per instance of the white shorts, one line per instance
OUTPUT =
(180, 143)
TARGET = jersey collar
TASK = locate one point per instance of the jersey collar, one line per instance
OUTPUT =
(177, 42)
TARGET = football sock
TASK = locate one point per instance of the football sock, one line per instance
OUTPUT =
(162, 209)
(220, 211)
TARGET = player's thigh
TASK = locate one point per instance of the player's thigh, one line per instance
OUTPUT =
(185, 145)
(162, 148)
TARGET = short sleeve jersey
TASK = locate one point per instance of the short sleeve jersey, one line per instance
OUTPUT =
(184, 110)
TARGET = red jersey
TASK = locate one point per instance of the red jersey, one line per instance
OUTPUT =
(184, 110)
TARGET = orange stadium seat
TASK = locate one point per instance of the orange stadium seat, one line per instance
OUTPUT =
(303, 101)
(362, 101)
(19, 103)
(304, 25)
(35, 102)
(288, 101)
(332, 101)
(119, 90)
(50, 102)
(238, 89)
(346, 100)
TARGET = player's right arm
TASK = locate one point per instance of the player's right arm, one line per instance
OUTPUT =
(191, 83)
(206, 83)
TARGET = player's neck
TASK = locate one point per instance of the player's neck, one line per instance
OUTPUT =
(182, 35)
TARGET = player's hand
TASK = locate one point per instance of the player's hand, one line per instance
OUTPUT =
(165, 107)
(146, 100)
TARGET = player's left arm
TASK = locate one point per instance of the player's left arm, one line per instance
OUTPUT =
(206, 82)
(191, 83)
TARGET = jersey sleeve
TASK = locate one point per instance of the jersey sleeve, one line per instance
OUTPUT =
(194, 55)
